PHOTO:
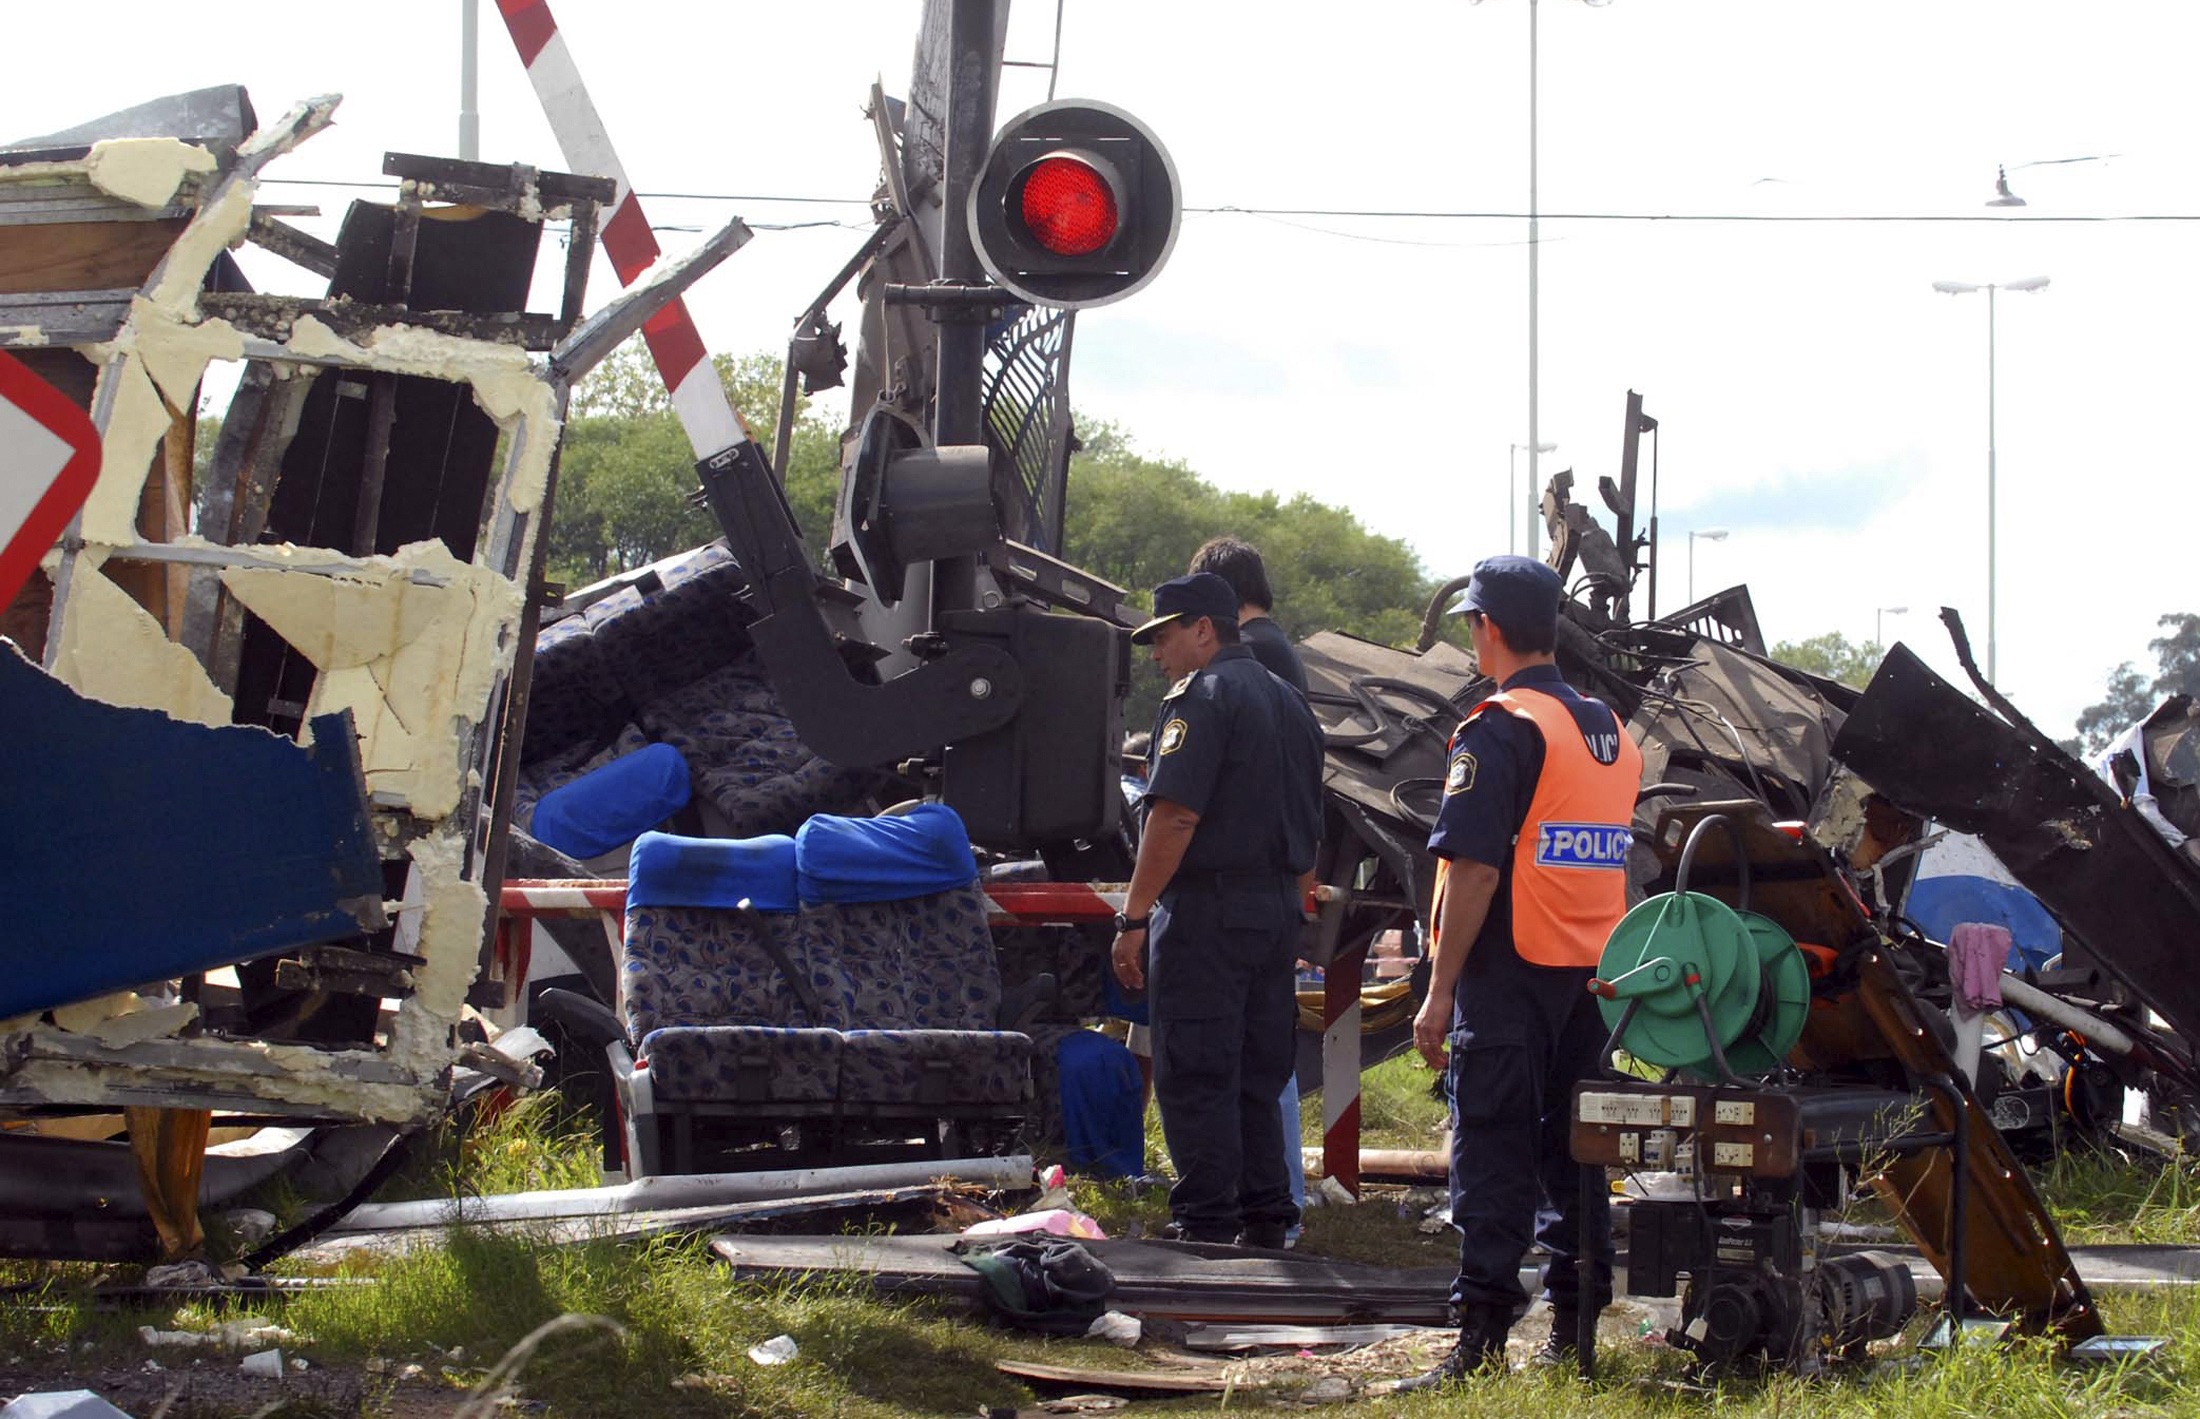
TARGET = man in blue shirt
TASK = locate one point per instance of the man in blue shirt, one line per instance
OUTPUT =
(1232, 814)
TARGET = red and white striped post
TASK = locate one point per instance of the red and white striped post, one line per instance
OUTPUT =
(1341, 1067)
(712, 423)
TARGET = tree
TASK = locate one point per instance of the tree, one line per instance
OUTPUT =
(626, 474)
(1136, 520)
(2131, 696)
(1833, 656)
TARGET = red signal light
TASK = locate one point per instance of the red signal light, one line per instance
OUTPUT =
(1068, 207)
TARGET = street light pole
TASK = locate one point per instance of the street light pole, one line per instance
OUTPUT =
(1879, 623)
(1512, 490)
(1535, 443)
(1992, 288)
(1535, 247)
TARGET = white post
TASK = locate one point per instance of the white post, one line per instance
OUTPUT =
(1991, 583)
(469, 66)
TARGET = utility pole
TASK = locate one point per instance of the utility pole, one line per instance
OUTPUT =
(469, 80)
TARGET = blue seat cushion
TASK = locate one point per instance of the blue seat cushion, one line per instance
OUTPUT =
(605, 809)
(915, 854)
(671, 871)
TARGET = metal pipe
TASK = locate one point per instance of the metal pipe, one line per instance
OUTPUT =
(2097, 1031)
(665, 1193)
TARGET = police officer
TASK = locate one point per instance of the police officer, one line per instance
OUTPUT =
(1532, 836)
(1233, 809)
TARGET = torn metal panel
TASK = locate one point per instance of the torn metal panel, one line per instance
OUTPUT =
(418, 642)
(289, 861)
(2092, 861)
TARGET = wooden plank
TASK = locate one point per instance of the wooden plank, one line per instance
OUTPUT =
(82, 256)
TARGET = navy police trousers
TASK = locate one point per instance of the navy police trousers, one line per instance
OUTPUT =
(1225, 1020)
(1515, 1057)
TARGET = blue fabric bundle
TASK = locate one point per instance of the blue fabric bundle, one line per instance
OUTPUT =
(924, 851)
(607, 808)
(669, 871)
(1103, 1114)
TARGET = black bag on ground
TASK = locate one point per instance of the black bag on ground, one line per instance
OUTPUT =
(1053, 1286)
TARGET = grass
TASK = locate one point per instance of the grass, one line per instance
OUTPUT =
(2098, 1196)
(683, 1330)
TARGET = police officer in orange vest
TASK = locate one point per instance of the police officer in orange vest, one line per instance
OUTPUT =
(1532, 838)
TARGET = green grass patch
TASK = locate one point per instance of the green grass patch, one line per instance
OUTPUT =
(684, 1331)
(2100, 1196)
(535, 1143)
(1399, 1107)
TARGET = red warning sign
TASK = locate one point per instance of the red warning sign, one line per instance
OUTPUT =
(49, 459)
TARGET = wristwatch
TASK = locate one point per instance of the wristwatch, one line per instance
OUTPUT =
(1124, 923)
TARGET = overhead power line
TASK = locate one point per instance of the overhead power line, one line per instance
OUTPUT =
(1435, 215)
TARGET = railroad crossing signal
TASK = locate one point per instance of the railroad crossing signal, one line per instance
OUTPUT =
(1078, 205)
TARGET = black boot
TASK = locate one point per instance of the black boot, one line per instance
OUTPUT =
(1559, 1347)
(1269, 1236)
(1481, 1350)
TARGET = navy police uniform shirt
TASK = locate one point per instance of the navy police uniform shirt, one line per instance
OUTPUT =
(1490, 775)
(1240, 748)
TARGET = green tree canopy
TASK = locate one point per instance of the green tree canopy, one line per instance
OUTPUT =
(1834, 656)
(2131, 695)
(1137, 519)
(626, 473)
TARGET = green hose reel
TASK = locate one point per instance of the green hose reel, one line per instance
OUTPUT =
(1687, 982)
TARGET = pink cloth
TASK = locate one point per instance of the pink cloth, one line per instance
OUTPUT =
(1976, 957)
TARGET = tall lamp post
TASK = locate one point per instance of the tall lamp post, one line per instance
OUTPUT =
(1535, 426)
(1965, 288)
(1709, 534)
(1879, 622)
(1512, 483)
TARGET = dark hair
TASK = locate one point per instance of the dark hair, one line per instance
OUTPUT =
(1137, 749)
(1540, 640)
(1237, 562)
(1226, 632)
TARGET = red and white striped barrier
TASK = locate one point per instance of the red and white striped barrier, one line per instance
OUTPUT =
(712, 423)
(1007, 903)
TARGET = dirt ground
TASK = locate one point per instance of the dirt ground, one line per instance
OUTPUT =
(219, 1388)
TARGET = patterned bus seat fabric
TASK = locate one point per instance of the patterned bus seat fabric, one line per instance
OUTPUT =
(748, 763)
(574, 704)
(657, 640)
(745, 1064)
(956, 1068)
(713, 1013)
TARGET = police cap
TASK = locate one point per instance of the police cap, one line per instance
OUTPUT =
(1521, 594)
(1188, 598)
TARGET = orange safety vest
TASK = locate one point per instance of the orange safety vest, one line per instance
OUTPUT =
(1569, 877)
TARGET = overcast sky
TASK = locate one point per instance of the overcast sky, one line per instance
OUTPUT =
(1818, 400)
